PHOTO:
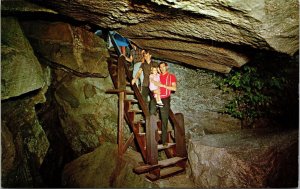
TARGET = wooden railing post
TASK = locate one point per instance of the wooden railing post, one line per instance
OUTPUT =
(121, 85)
(151, 145)
(152, 152)
(180, 135)
(121, 123)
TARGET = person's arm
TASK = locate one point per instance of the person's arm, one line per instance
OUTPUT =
(137, 76)
(130, 59)
(171, 88)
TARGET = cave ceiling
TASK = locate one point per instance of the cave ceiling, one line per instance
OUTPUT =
(210, 34)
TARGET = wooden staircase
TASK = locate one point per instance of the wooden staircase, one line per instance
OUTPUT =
(146, 129)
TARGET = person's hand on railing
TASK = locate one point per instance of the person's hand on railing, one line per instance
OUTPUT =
(133, 81)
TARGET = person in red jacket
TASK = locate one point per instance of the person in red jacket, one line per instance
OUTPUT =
(167, 84)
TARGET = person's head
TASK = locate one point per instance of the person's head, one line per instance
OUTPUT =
(147, 56)
(163, 66)
(154, 70)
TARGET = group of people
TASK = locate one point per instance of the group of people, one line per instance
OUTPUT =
(156, 82)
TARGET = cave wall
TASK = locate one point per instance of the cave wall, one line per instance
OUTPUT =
(75, 113)
(56, 90)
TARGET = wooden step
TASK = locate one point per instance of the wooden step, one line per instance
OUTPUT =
(170, 171)
(132, 100)
(144, 168)
(114, 55)
(161, 147)
(170, 161)
(152, 177)
(135, 110)
(129, 92)
(164, 173)
(162, 165)
(139, 122)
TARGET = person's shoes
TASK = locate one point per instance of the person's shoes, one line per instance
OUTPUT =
(159, 104)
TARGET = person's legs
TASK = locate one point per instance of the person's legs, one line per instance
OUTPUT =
(157, 96)
(142, 77)
(164, 114)
(145, 93)
(153, 107)
(136, 68)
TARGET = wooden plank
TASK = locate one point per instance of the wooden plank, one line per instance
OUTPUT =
(152, 152)
(121, 78)
(129, 92)
(139, 122)
(128, 142)
(180, 136)
(171, 161)
(141, 143)
(170, 171)
(121, 123)
(145, 168)
(152, 177)
(132, 100)
(161, 147)
(117, 91)
(135, 110)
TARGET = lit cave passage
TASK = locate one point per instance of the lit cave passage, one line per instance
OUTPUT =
(236, 103)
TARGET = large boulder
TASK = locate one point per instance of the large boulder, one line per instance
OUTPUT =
(87, 114)
(24, 142)
(21, 71)
(102, 168)
(68, 47)
(245, 159)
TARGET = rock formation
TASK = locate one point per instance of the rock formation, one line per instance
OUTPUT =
(239, 159)
(210, 34)
(54, 76)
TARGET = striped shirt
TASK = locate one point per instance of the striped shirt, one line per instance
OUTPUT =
(166, 79)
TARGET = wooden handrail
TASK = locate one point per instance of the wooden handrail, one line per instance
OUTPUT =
(174, 121)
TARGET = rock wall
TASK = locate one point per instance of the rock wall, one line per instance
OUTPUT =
(244, 159)
(80, 78)
(21, 71)
(79, 117)
(210, 34)
(76, 114)
(87, 114)
(24, 142)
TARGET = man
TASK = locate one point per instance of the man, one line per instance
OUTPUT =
(167, 85)
(146, 69)
(136, 58)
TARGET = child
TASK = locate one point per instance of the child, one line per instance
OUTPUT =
(154, 76)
